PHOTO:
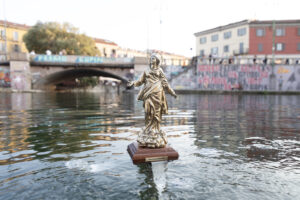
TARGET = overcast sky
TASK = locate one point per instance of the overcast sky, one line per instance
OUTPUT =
(168, 25)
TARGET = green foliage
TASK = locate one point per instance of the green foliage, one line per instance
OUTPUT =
(56, 37)
(88, 81)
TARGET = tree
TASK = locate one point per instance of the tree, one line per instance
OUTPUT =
(56, 37)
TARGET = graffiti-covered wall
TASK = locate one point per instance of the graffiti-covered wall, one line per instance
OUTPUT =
(184, 79)
(288, 77)
(227, 77)
(5, 77)
(249, 77)
(240, 77)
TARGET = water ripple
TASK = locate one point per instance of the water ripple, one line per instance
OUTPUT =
(74, 145)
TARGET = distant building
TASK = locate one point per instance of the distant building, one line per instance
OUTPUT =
(170, 58)
(107, 48)
(130, 53)
(11, 37)
(250, 37)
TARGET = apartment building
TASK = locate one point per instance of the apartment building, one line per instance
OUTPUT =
(11, 37)
(250, 37)
(107, 48)
(111, 49)
(130, 53)
(284, 35)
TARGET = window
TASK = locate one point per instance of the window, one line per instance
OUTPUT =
(214, 51)
(226, 48)
(113, 53)
(203, 40)
(260, 47)
(16, 48)
(298, 46)
(241, 31)
(2, 34)
(260, 32)
(279, 46)
(202, 52)
(241, 48)
(298, 31)
(214, 37)
(2, 46)
(15, 36)
(279, 32)
(227, 35)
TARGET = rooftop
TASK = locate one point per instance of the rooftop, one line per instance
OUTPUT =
(220, 28)
(292, 21)
(250, 22)
(104, 41)
(15, 25)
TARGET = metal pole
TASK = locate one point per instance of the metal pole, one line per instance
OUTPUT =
(272, 75)
(273, 44)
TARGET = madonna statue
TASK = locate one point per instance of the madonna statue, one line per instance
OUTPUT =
(155, 104)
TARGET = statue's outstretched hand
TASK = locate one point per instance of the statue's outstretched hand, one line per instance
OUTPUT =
(130, 83)
(175, 95)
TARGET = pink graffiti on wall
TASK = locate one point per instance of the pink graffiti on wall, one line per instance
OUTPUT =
(227, 77)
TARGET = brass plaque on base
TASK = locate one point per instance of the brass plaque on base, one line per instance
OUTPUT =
(143, 154)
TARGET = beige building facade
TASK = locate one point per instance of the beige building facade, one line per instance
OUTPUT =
(130, 53)
(11, 37)
(107, 48)
(224, 41)
(111, 49)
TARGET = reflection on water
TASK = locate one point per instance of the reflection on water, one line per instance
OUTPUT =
(159, 177)
(73, 146)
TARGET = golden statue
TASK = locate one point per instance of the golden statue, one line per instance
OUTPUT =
(155, 104)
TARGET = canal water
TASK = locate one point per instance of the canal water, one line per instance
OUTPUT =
(73, 146)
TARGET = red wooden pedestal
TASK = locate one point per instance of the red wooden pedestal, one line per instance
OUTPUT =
(142, 154)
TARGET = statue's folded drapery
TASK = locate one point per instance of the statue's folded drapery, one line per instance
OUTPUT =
(155, 103)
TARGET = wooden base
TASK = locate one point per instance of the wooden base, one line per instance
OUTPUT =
(142, 154)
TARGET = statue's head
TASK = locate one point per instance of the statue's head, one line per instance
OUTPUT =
(154, 61)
